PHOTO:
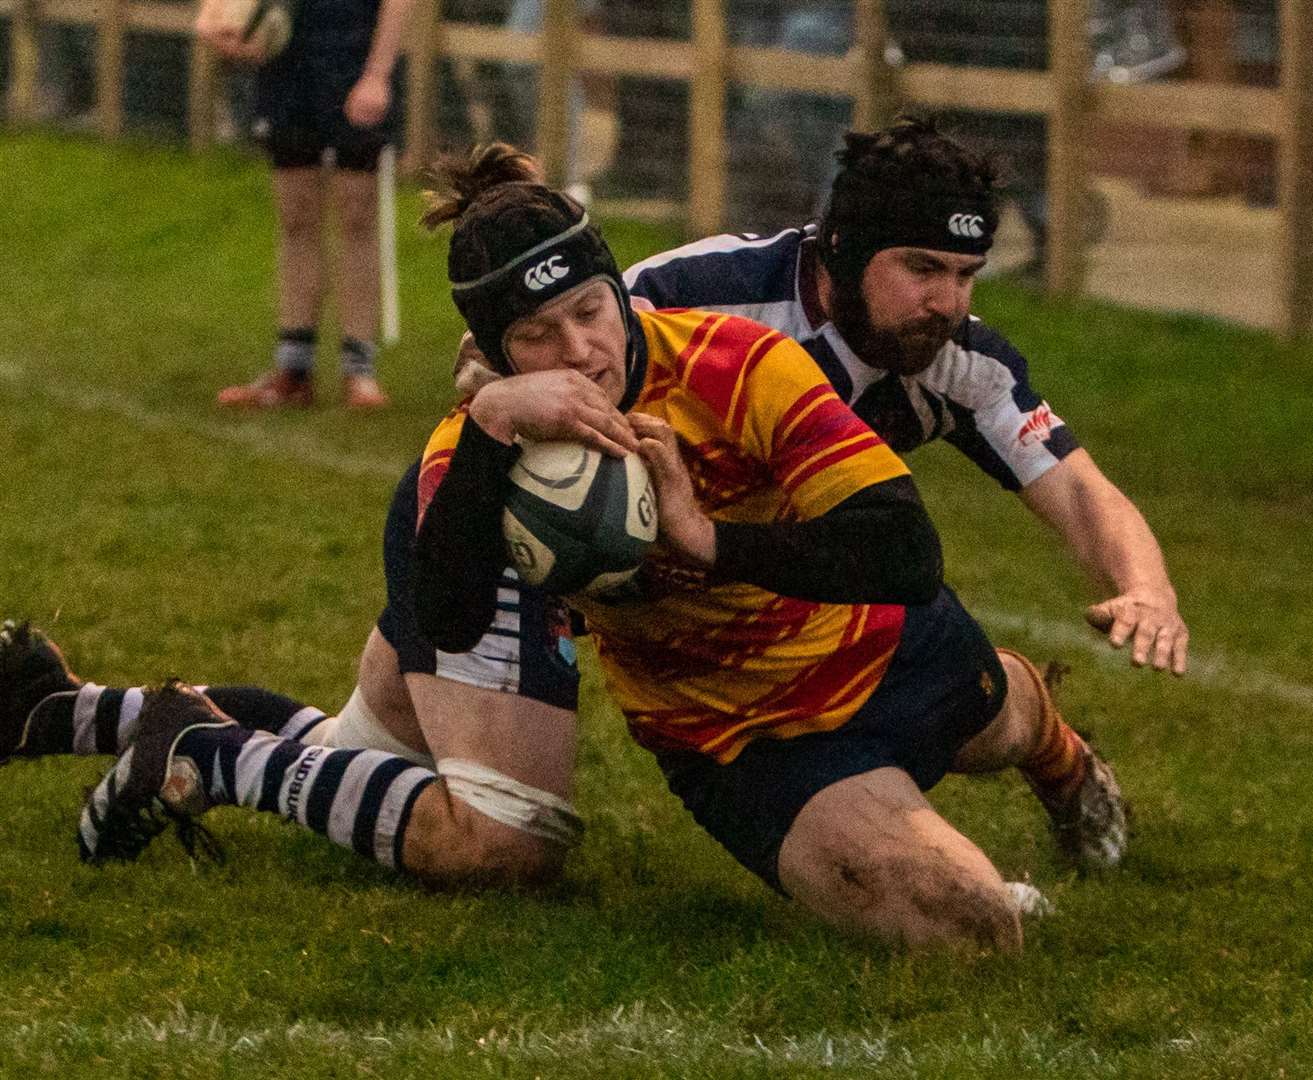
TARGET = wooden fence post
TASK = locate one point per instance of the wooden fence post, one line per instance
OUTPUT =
(875, 102)
(24, 61)
(201, 80)
(706, 119)
(1068, 135)
(111, 32)
(558, 64)
(421, 84)
(1296, 156)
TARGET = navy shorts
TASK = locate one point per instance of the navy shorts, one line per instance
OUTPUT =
(943, 686)
(529, 650)
(300, 102)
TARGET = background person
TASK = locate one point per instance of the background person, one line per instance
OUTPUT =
(333, 88)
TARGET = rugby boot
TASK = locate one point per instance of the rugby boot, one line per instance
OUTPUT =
(1090, 823)
(272, 390)
(1074, 785)
(363, 392)
(31, 670)
(152, 786)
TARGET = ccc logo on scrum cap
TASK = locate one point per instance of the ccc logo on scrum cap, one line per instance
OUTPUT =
(969, 225)
(546, 272)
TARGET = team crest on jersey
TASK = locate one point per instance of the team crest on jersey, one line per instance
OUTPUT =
(1038, 428)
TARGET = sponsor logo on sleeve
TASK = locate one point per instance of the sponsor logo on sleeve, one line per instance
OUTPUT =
(1037, 427)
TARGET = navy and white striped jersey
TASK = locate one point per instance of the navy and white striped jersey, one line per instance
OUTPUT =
(975, 394)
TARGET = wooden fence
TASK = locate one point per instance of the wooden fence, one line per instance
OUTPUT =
(1065, 94)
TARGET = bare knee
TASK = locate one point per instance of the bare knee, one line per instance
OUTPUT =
(300, 218)
(357, 211)
(918, 902)
(450, 843)
(870, 856)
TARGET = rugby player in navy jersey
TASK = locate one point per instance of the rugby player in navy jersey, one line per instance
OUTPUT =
(334, 88)
(879, 294)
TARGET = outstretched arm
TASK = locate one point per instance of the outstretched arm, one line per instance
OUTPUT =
(1114, 543)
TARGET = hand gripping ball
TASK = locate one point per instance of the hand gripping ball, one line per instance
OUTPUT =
(578, 520)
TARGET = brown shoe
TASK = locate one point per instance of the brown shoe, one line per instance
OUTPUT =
(363, 392)
(272, 390)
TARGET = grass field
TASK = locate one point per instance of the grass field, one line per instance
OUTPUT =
(159, 536)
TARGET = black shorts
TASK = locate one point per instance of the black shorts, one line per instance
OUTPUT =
(943, 686)
(300, 104)
(529, 650)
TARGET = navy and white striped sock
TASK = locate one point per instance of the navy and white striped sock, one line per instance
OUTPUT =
(103, 719)
(294, 354)
(358, 356)
(360, 799)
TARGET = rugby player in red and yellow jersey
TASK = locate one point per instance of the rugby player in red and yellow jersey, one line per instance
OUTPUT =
(791, 655)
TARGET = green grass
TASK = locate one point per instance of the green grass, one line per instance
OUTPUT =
(160, 536)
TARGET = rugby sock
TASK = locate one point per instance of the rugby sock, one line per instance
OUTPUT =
(1055, 766)
(103, 720)
(359, 799)
(357, 356)
(295, 352)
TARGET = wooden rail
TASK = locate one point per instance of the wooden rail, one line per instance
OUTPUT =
(563, 52)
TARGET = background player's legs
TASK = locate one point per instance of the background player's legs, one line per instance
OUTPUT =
(870, 855)
(299, 203)
(355, 198)
(299, 208)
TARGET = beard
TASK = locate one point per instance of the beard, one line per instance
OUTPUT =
(907, 349)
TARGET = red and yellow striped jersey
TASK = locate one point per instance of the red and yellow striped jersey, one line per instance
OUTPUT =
(697, 664)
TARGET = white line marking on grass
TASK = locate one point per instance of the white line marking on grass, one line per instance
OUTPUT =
(1208, 669)
(1218, 670)
(279, 445)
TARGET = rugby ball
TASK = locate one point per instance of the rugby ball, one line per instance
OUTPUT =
(577, 520)
(266, 23)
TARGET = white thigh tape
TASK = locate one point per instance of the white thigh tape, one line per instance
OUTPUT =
(356, 727)
(529, 809)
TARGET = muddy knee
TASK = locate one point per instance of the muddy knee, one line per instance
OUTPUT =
(870, 856)
(920, 903)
